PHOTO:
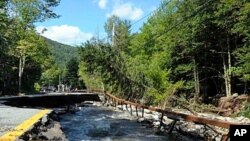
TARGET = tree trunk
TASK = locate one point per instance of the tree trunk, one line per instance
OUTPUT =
(226, 62)
(196, 80)
(227, 68)
(226, 78)
(20, 73)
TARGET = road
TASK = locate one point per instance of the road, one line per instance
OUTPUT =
(15, 121)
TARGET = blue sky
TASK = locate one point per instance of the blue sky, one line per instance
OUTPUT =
(82, 19)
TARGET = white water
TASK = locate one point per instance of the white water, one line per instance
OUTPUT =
(97, 123)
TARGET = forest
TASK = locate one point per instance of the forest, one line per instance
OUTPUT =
(189, 50)
(29, 61)
(193, 50)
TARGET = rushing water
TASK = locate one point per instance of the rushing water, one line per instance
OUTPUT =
(104, 124)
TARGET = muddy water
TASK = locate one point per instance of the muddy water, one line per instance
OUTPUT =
(105, 124)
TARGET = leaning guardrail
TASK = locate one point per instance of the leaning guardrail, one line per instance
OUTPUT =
(176, 116)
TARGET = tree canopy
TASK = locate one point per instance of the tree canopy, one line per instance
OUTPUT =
(193, 49)
(24, 53)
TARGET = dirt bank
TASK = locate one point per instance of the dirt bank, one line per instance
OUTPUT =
(48, 129)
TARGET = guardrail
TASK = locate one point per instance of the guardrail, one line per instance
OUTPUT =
(176, 116)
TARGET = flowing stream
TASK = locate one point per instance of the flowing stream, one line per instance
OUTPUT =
(97, 123)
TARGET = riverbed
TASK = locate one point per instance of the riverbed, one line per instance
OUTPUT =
(100, 123)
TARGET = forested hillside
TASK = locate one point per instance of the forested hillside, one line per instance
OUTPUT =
(189, 50)
(61, 53)
(28, 60)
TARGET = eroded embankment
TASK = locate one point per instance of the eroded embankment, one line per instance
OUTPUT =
(48, 128)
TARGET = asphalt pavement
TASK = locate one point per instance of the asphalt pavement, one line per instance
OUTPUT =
(11, 117)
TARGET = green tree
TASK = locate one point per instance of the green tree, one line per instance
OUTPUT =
(51, 76)
(72, 77)
(25, 14)
(92, 80)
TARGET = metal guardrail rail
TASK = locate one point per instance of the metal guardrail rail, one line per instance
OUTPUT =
(176, 116)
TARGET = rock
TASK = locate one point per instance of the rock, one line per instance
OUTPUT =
(43, 138)
(44, 120)
(235, 95)
(55, 132)
(156, 124)
(155, 117)
(140, 119)
(147, 111)
(97, 104)
(46, 129)
(166, 120)
(57, 139)
(120, 107)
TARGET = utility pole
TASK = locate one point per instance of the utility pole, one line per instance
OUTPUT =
(113, 35)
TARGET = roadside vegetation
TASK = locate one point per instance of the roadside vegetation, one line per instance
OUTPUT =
(29, 61)
(188, 53)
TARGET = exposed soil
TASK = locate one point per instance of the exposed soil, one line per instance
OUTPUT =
(48, 129)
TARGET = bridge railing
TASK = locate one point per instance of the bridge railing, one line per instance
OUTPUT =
(176, 116)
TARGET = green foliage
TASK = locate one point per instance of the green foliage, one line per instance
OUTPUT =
(195, 49)
(23, 53)
(51, 76)
(242, 68)
(109, 63)
(72, 77)
(56, 63)
(31, 11)
(37, 87)
(246, 111)
(92, 80)
(61, 53)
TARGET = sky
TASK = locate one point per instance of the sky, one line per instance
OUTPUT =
(81, 20)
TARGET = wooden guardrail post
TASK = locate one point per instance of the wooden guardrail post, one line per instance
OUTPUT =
(136, 110)
(131, 110)
(175, 116)
(172, 127)
(117, 103)
(121, 104)
(161, 120)
(142, 112)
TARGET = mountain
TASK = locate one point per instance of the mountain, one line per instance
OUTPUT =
(62, 53)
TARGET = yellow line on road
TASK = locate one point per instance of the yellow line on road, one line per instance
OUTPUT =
(23, 127)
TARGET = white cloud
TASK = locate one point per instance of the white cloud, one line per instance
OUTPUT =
(126, 10)
(102, 4)
(66, 34)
